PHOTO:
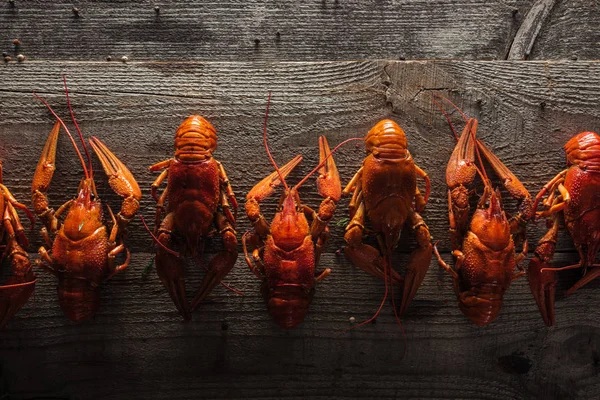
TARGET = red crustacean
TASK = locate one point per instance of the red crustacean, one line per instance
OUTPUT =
(574, 193)
(20, 285)
(484, 248)
(284, 253)
(385, 194)
(199, 198)
(83, 251)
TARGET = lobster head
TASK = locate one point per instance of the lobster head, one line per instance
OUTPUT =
(490, 224)
(195, 137)
(583, 150)
(386, 134)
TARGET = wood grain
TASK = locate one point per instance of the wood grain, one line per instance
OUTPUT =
(295, 31)
(137, 347)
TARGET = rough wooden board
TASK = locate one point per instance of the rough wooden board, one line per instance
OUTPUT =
(315, 30)
(136, 108)
(566, 32)
(137, 344)
(529, 29)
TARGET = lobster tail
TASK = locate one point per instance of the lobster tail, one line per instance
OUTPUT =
(79, 299)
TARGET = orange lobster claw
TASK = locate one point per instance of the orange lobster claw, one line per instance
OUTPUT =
(13, 298)
(542, 279)
(265, 188)
(328, 182)
(120, 179)
(461, 169)
(44, 172)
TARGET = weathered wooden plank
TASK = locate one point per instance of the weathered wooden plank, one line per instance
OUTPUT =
(136, 109)
(271, 30)
(568, 32)
(529, 29)
(137, 345)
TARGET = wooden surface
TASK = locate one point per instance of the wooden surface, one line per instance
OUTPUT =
(137, 346)
(296, 31)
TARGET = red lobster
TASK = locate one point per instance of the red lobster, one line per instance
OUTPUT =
(485, 248)
(574, 193)
(385, 193)
(84, 250)
(199, 195)
(19, 287)
(284, 254)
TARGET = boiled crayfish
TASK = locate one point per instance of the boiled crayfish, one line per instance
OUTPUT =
(20, 285)
(484, 248)
(83, 252)
(574, 193)
(200, 198)
(385, 194)
(284, 253)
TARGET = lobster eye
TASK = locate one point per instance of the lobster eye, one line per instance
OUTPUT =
(92, 196)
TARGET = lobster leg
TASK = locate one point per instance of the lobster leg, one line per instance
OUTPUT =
(221, 263)
(418, 262)
(224, 180)
(254, 262)
(543, 283)
(21, 284)
(157, 182)
(115, 249)
(420, 201)
(516, 189)
(121, 181)
(41, 182)
(170, 267)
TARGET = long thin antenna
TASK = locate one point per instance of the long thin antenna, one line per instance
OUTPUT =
(281, 178)
(452, 104)
(385, 280)
(447, 118)
(85, 171)
(87, 154)
(158, 242)
(325, 160)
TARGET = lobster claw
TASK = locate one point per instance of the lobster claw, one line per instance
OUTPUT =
(516, 189)
(542, 279)
(328, 182)
(543, 287)
(265, 188)
(21, 284)
(42, 178)
(13, 298)
(120, 180)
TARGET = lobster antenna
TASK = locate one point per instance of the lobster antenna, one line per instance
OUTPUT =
(452, 104)
(85, 171)
(385, 280)
(87, 154)
(447, 118)
(281, 178)
(168, 250)
(325, 160)
(226, 286)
